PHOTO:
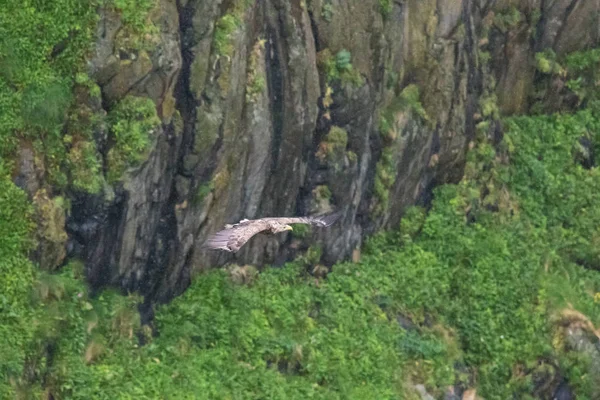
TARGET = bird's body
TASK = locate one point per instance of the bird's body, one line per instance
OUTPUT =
(234, 236)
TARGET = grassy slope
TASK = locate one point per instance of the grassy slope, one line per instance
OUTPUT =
(483, 276)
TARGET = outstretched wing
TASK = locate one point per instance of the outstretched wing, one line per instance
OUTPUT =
(235, 236)
(321, 221)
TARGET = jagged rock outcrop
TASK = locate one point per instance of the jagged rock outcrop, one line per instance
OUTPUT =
(277, 107)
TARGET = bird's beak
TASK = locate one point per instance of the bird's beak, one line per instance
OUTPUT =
(289, 228)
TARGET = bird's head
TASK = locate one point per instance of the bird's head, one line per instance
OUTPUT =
(283, 228)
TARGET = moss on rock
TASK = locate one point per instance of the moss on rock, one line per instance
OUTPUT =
(385, 177)
(339, 68)
(255, 80)
(322, 198)
(407, 101)
(139, 31)
(85, 167)
(333, 145)
(203, 190)
(51, 234)
(207, 127)
(132, 125)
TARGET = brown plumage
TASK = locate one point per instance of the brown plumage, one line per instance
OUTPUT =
(233, 237)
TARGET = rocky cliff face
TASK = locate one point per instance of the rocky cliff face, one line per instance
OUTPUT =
(295, 107)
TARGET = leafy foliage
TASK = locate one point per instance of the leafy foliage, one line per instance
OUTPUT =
(255, 80)
(134, 13)
(327, 10)
(17, 274)
(407, 101)
(339, 68)
(203, 190)
(547, 64)
(385, 7)
(584, 78)
(385, 177)
(508, 18)
(224, 28)
(227, 25)
(41, 47)
(132, 123)
(333, 145)
(578, 71)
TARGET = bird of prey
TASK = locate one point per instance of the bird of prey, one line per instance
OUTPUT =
(234, 236)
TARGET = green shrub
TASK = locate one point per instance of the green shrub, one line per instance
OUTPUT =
(385, 7)
(227, 25)
(132, 124)
(339, 68)
(409, 100)
(224, 28)
(134, 12)
(18, 274)
(508, 18)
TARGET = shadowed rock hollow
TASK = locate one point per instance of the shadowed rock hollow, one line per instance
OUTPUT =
(284, 108)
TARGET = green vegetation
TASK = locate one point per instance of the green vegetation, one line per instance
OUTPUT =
(36, 74)
(385, 177)
(255, 80)
(43, 108)
(139, 31)
(134, 13)
(224, 28)
(227, 25)
(322, 192)
(508, 18)
(42, 97)
(547, 64)
(301, 231)
(410, 97)
(203, 190)
(321, 196)
(132, 123)
(44, 91)
(339, 68)
(86, 168)
(407, 100)
(223, 44)
(51, 236)
(579, 73)
(484, 56)
(583, 75)
(82, 161)
(385, 7)
(337, 137)
(333, 146)
(327, 10)
(489, 106)
(16, 229)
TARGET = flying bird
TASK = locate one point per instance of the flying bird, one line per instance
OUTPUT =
(234, 236)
